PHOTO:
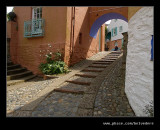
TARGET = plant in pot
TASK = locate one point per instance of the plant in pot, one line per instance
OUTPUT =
(11, 16)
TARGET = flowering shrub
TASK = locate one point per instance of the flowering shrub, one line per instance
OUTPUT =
(53, 66)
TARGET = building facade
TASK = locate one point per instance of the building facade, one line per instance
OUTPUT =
(115, 29)
(78, 33)
(64, 29)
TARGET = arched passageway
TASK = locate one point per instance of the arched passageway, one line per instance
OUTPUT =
(102, 19)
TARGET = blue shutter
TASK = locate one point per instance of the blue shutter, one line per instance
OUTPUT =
(116, 30)
(152, 49)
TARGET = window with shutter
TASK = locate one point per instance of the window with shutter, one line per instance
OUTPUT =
(34, 27)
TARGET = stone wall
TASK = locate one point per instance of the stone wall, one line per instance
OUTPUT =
(139, 68)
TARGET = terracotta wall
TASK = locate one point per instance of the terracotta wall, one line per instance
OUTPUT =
(14, 40)
(96, 12)
(8, 29)
(28, 49)
(83, 46)
(29, 52)
(111, 44)
(132, 11)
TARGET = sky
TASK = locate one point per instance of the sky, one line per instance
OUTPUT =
(108, 22)
(9, 9)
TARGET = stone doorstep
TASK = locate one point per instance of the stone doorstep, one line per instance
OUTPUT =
(90, 70)
(85, 75)
(68, 91)
(13, 82)
(78, 82)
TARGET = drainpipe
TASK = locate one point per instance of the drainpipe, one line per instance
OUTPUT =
(71, 33)
(73, 20)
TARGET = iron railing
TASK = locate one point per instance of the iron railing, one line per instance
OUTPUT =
(34, 28)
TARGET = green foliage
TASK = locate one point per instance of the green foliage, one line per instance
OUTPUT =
(53, 66)
(11, 16)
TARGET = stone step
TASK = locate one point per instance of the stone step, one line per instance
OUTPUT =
(104, 63)
(68, 91)
(10, 67)
(98, 66)
(15, 71)
(21, 80)
(116, 52)
(9, 63)
(110, 58)
(19, 75)
(78, 82)
(91, 70)
(85, 75)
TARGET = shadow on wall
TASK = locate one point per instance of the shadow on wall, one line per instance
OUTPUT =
(84, 45)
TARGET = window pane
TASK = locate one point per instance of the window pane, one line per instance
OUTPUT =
(37, 10)
(40, 12)
(37, 16)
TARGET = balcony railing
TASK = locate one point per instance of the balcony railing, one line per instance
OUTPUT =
(34, 28)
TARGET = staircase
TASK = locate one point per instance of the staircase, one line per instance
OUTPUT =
(79, 82)
(17, 74)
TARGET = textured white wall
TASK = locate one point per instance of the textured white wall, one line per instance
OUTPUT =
(139, 68)
(117, 24)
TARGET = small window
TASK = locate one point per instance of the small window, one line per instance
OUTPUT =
(114, 31)
(37, 13)
(80, 38)
(120, 29)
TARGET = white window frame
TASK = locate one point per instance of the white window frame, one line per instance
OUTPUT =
(35, 17)
(34, 11)
(120, 28)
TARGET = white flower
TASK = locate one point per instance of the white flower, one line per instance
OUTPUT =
(50, 53)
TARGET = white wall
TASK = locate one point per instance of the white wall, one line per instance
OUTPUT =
(139, 68)
(117, 24)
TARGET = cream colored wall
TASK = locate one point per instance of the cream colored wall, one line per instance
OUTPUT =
(139, 68)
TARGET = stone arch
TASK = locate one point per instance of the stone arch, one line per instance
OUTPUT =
(102, 19)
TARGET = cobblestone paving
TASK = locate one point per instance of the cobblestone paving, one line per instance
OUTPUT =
(19, 95)
(24, 92)
(112, 100)
(58, 105)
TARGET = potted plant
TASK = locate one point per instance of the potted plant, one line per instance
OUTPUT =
(11, 16)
